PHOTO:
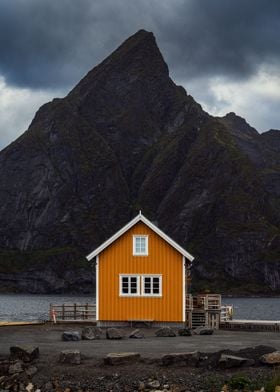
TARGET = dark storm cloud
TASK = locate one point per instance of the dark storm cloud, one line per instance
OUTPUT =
(221, 37)
(52, 43)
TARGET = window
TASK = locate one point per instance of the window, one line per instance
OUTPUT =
(140, 245)
(151, 285)
(129, 285)
(140, 285)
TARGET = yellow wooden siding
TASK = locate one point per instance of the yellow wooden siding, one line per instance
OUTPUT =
(162, 259)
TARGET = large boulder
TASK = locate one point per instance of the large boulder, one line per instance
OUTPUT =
(121, 358)
(212, 360)
(91, 333)
(136, 334)
(26, 354)
(16, 367)
(189, 359)
(227, 361)
(70, 356)
(271, 358)
(31, 371)
(114, 334)
(203, 331)
(71, 336)
(165, 332)
(184, 332)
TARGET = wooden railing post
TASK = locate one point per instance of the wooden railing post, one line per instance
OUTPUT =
(73, 311)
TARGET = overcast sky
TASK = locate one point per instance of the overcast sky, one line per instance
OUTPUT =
(226, 53)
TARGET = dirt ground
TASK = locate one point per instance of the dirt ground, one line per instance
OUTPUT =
(48, 338)
(93, 375)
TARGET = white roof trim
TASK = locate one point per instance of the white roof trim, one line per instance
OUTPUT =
(137, 219)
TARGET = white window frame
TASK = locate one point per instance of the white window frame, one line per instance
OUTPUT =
(146, 237)
(143, 285)
(129, 294)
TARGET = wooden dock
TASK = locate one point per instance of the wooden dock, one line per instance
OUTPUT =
(20, 323)
(252, 325)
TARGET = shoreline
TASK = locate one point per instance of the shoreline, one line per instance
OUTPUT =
(69, 294)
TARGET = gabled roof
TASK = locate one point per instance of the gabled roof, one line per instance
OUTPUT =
(140, 218)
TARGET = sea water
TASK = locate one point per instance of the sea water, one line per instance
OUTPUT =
(21, 307)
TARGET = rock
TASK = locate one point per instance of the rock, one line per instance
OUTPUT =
(21, 387)
(209, 360)
(48, 386)
(26, 354)
(114, 333)
(70, 356)
(271, 358)
(253, 352)
(165, 332)
(70, 336)
(203, 331)
(188, 358)
(29, 387)
(136, 334)
(31, 371)
(231, 361)
(121, 358)
(91, 333)
(16, 367)
(184, 332)
(153, 384)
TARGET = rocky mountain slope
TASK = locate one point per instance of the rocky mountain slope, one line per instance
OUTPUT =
(126, 137)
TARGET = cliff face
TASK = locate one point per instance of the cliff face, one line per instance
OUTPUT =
(126, 137)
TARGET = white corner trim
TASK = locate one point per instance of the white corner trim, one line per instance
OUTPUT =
(184, 288)
(134, 245)
(97, 287)
(138, 218)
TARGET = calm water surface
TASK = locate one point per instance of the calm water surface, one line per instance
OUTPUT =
(20, 307)
(36, 307)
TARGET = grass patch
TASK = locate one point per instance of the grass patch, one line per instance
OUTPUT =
(274, 382)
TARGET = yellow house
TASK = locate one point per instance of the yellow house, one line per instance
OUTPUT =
(141, 276)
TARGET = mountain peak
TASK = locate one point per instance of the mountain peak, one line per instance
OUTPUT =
(238, 125)
(140, 35)
(137, 57)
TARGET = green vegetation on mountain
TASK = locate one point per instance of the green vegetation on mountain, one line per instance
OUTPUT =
(127, 138)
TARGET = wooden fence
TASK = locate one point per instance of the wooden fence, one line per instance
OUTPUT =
(205, 302)
(72, 312)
